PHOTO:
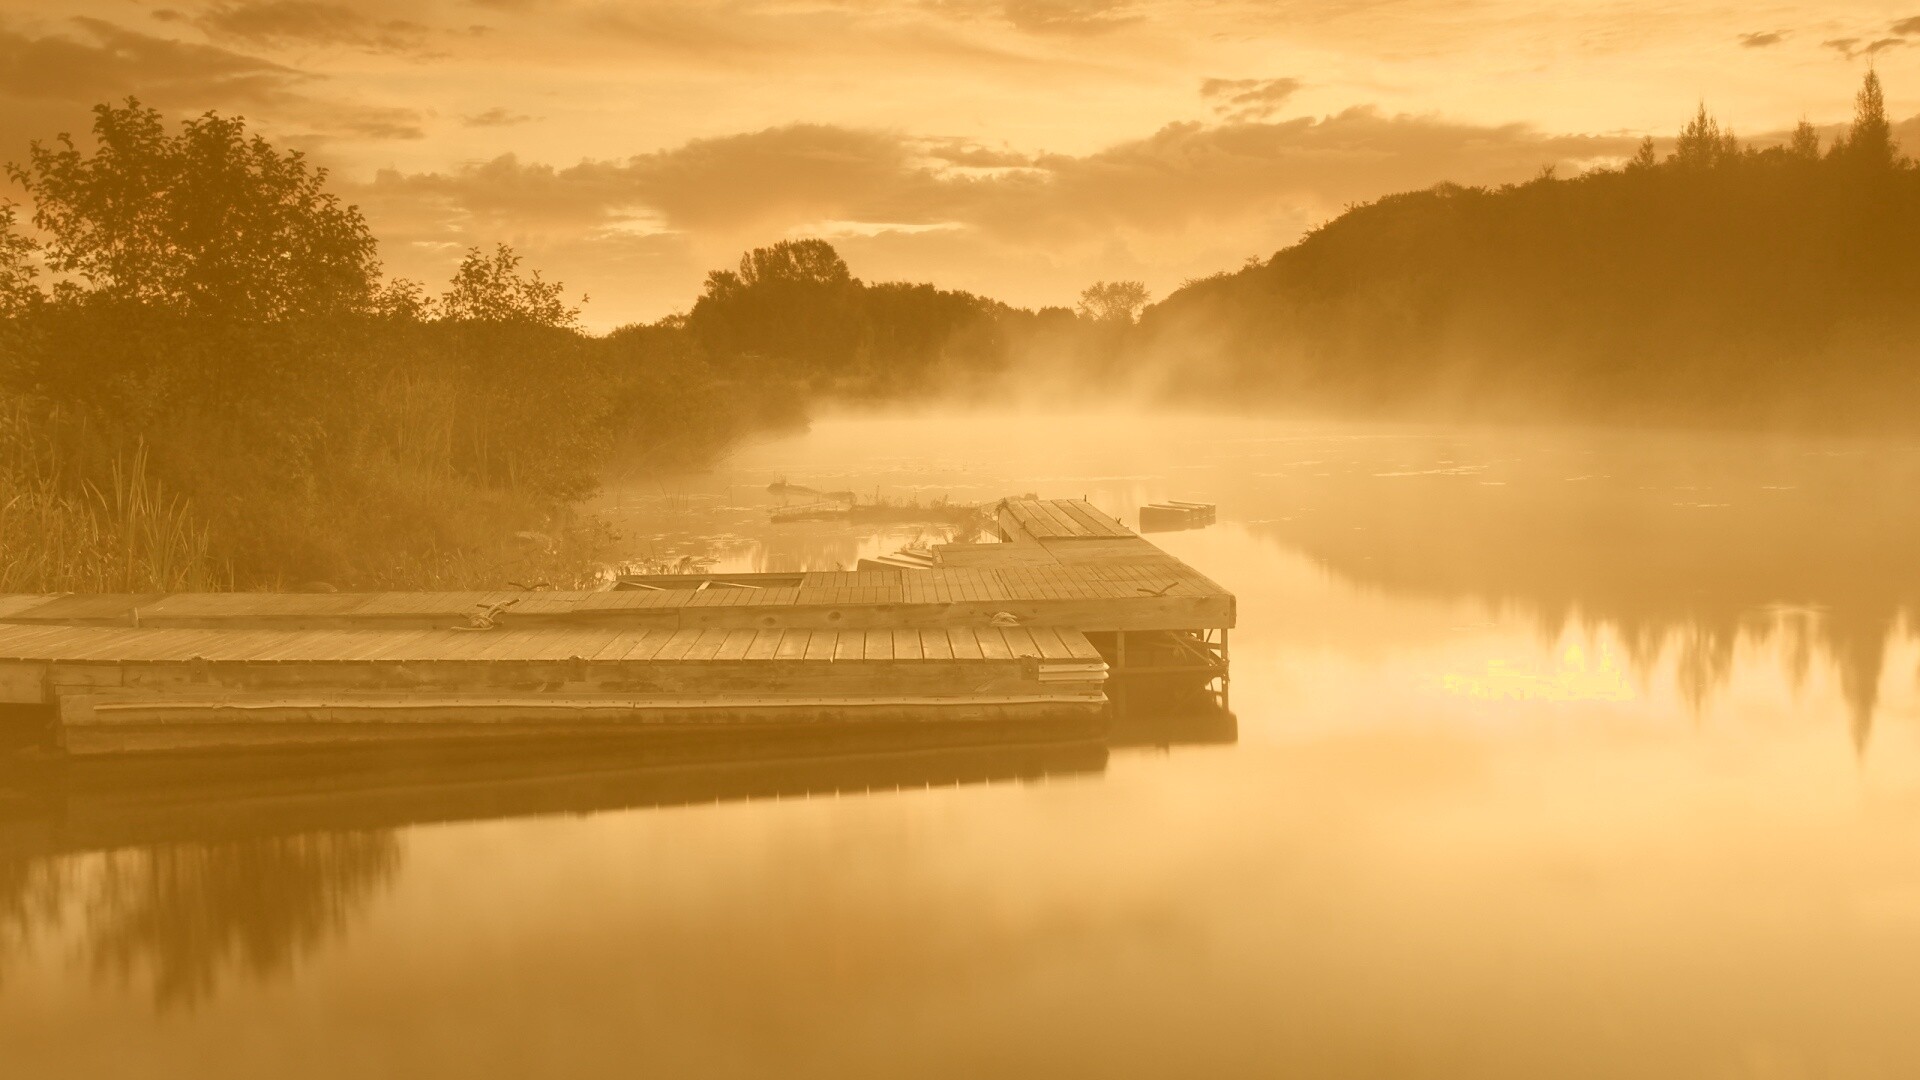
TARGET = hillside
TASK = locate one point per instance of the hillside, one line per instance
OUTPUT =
(1716, 285)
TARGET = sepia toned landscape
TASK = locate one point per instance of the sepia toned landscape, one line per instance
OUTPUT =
(1047, 538)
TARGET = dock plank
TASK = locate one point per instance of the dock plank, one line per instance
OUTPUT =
(849, 644)
(935, 644)
(793, 644)
(821, 644)
(1078, 646)
(736, 645)
(29, 641)
(91, 606)
(677, 645)
(966, 643)
(707, 645)
(1020, 642)
(906, 645)
(1048, 640)
(1064, 523)
(765, 646)
(993, 643)
(12, 602)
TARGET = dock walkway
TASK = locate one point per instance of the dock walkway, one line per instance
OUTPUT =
(989, 632)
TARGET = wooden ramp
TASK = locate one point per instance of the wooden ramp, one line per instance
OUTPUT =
(988, 632)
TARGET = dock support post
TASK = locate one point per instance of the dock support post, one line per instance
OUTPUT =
(1226, 668)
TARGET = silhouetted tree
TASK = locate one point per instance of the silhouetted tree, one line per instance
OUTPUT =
(1644, 157)
(1869, 140)
(1113, 301)
(403, 300)
(208, 221)
(1805, 144)
(490, 288)
(789, 310)
(796, 262)
(1702, 143)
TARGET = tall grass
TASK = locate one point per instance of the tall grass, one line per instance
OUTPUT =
(63, 533)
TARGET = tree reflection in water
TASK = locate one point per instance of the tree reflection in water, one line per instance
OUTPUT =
(185, 915)
(244, 871)
(1683, 548)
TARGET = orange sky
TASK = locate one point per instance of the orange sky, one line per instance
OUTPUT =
(1019, 148)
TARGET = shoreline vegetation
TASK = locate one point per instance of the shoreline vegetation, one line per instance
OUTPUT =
(207, 382)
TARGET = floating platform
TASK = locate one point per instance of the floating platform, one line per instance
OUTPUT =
(1175, 516)
(1025, 631)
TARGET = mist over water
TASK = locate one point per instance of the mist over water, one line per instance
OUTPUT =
(1559, 753)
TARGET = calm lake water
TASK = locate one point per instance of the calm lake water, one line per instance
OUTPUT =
(1557, 755)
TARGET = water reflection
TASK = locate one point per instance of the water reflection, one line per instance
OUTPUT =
(180, 875)
(180, 917)
(1682, 550)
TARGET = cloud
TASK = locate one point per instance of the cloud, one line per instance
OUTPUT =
(1248, 99)
(1064, 18)
(1077, 17)
(1198, 196)
(114, 62)
(1907, 26)
(311, 22)
(974, 156)
(498, 116)
(368, 121)
(809, 36)
(1761, 39)
(785, 176)
(1852, 49)
(48, 83)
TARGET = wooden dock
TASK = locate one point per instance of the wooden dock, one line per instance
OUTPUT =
(1027, 630)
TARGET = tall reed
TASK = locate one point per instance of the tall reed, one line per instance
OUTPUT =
(60, 533)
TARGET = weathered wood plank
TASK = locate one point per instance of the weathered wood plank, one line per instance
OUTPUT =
(765, 646)
(993, 644)
(793, 644)
(965, 642)
(1064, 523)
(935, 644)
(707, 645)
(1020, 642)
(906, 645)
(677, 645)
(821, 643)
(736, 645)
(849, 644)
(1078, 645)
(34, 641)
(1050, 644)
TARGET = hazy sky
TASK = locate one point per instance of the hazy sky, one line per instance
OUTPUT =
(1020, 148)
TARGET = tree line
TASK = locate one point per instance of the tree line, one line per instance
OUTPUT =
(206, 378)
(1718, 283)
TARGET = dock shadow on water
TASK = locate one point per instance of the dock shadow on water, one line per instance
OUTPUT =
(179, 877)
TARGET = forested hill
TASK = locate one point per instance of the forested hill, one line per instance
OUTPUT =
(1719, 284)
